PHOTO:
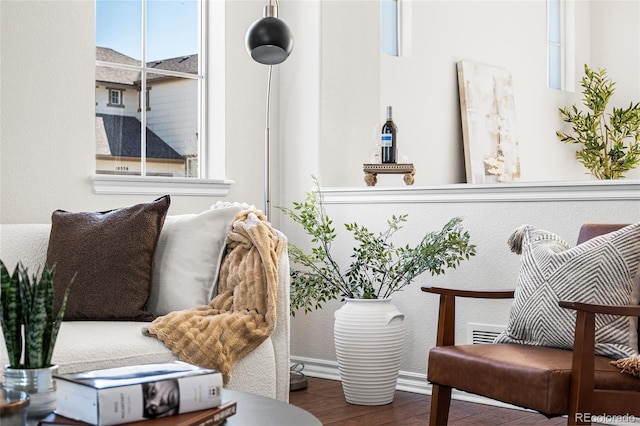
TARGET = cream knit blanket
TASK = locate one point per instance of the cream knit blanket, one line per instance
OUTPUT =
(243, 314)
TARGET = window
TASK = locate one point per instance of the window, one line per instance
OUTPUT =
(115, 98)
(560, 65)
(389, 27)
(143, 47)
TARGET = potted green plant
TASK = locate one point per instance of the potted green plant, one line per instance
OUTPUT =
(369, 330)
(610, 140)
(30, 328)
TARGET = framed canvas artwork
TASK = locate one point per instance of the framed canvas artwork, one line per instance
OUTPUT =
(488, 123)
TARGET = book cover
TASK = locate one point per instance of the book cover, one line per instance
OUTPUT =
(212, 417)
(127, 394)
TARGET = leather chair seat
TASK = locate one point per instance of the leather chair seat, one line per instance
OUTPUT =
(533, 377)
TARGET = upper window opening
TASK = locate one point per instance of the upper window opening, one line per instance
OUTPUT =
(560, 44)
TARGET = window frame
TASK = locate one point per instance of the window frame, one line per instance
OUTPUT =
(212, 181)
(566, 44)
(120, 103)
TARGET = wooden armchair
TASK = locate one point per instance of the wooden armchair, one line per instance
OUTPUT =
(549, 380)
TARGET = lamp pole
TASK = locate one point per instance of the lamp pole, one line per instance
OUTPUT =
(267, 151)
(269, 41)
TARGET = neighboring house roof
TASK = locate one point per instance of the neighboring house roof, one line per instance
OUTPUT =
(186, 64)
(119, 136)
(115, 75)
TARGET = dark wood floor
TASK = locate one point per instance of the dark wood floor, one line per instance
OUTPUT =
(324, 399)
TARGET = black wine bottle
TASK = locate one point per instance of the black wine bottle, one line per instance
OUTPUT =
(388, 139)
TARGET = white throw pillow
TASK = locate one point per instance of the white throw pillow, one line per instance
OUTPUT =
(604, 270)
(188, 258)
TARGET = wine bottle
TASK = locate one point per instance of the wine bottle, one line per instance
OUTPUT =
(388, 139)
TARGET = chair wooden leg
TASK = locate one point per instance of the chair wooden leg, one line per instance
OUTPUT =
(440, 402)
(582, 376)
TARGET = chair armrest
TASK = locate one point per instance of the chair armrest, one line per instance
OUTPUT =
(622, 310)
(478, 294)
(583, 365)
(447, 310)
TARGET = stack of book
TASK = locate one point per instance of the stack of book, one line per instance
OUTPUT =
(171, 393)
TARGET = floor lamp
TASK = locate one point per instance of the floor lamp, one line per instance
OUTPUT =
(269, 41)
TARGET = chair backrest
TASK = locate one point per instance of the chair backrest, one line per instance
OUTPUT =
(591, 230)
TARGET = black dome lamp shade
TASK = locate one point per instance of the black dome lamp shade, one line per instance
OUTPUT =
(269, 40)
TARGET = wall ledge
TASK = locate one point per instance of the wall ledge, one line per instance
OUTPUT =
(493, 193)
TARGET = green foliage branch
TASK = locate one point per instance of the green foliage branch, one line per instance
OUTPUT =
(378, 268)
(26, 309)
(603, 136)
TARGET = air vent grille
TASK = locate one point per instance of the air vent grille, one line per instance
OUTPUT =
(478, 334)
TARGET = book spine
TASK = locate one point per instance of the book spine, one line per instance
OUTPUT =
(144, 401)
(216, 418)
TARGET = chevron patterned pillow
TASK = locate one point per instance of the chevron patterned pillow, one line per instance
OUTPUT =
(603, 270)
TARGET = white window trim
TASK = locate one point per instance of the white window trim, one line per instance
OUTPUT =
(157, 185)
(213, 182)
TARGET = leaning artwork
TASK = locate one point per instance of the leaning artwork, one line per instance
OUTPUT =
(488, 123)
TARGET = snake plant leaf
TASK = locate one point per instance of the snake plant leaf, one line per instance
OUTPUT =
(11, 313)
(35, 321)
(55, 324)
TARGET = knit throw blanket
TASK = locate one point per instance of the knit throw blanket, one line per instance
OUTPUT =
(243, 314)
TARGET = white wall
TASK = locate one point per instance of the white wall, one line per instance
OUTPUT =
(489, 223)
(356, 82)
(332, 92)
(47, 84)
(336, 85)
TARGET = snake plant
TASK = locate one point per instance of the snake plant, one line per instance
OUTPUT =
(29, 324)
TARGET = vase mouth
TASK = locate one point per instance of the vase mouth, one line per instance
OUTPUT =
(361, 300)
(22, 367)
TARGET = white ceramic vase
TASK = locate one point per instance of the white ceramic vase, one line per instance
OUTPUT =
(369, 340)
(38, 383)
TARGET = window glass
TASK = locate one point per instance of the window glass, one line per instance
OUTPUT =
(389, 27)
(555, 44)
(151, 44)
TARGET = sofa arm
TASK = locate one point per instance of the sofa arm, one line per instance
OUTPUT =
(447, 310)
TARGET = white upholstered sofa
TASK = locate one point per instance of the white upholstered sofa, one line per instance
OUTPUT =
(88, 345)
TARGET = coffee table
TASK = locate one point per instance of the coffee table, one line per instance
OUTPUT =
(259, 410)
(251, 410)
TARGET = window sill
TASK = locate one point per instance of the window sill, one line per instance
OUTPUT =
(130, 185)
(473, 193)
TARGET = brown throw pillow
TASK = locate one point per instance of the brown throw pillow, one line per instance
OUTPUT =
(112, 253)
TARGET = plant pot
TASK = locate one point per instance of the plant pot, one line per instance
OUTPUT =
(13, 407)
(369, 341)
(38, 383)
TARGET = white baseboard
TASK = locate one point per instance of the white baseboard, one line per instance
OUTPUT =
(407, 381)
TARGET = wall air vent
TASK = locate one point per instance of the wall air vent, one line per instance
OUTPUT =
(483, 333)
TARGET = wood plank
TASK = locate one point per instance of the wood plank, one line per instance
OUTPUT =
(325, 399)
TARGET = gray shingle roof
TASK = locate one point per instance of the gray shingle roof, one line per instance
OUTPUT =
(186, 64)
(115, 75)
(118, 135)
